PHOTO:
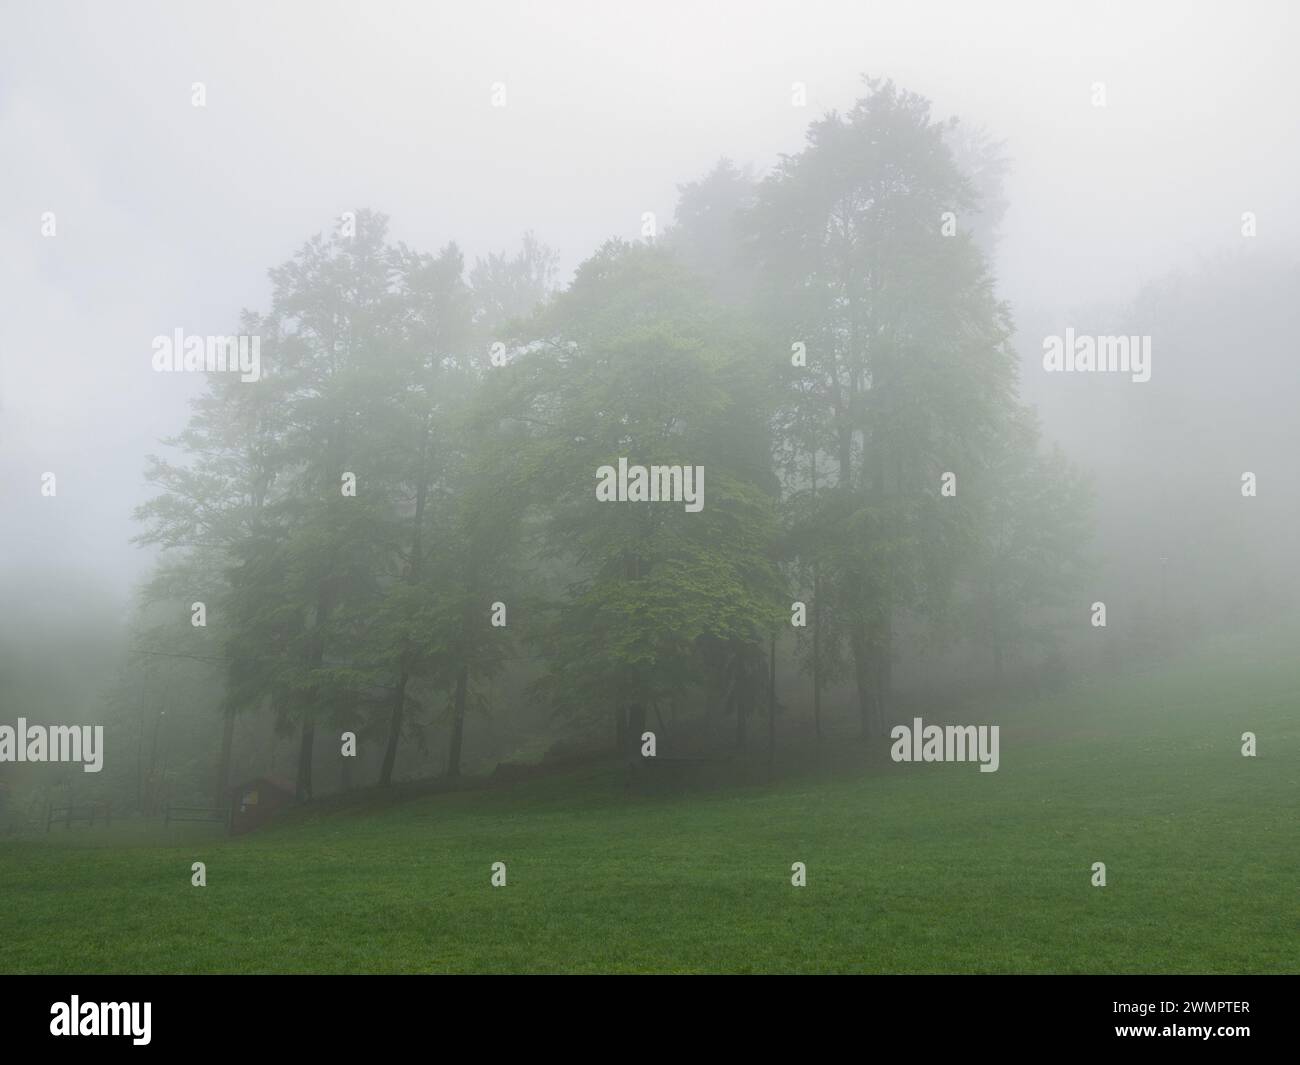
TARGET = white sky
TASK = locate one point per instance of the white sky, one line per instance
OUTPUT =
(169, 216)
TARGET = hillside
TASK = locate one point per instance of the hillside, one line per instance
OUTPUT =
(910, 868)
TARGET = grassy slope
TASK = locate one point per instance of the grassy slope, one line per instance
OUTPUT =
(910, 868)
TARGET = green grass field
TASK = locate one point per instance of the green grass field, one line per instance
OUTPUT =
(911, 868)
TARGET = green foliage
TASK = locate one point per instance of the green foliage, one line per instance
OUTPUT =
(634, 362)
(474, 414)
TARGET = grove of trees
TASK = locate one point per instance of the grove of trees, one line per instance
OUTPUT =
(402, 509)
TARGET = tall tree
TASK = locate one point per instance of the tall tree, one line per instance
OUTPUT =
(334, 322)
(908, 362)
(632, 362)
(209, 503)
(428, 382)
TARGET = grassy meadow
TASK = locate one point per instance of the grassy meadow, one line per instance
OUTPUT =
(910, 868)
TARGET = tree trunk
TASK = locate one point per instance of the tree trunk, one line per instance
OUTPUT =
(151, 781)
(620, 729)
(846, 450)
(636, 722)
(771, 709)
(394, 730)
(862, 665)
(139, 765)
(223, 763)
(335, 448)
(738, 701)
(306, 750)
(315, 656)
(816, 618)
(412, 578)
(458, 723)
(663, 725)
(884, 675)
(862, 678)
(817, 656)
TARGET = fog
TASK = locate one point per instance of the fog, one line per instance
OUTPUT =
(627, 487)
(169, 216)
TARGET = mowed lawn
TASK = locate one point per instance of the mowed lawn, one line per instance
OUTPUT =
(911, 868)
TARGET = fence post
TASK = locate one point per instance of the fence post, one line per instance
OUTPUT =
(68, 822)
(108, 813)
